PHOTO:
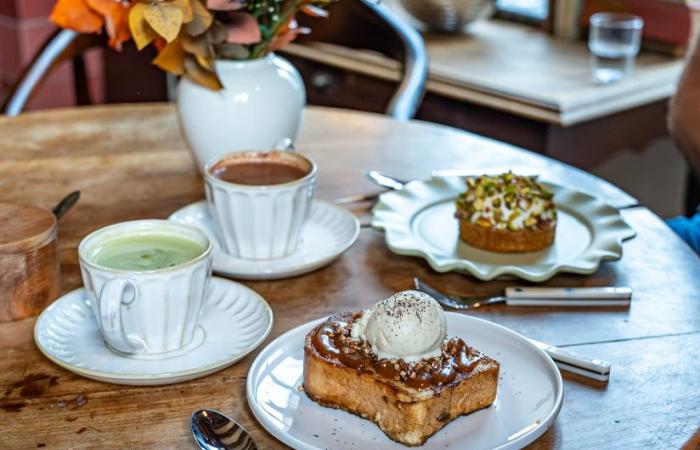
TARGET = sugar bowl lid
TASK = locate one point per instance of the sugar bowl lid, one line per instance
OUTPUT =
(24, 227)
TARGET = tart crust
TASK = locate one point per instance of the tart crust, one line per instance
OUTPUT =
(506, 241)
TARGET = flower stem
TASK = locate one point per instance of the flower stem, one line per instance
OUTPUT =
(286, 16)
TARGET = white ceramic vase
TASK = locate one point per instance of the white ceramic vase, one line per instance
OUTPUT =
(259, 107)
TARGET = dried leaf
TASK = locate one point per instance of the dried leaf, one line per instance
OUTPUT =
(200, 75)
(207, 63)
(119, 23)
(199, 45)
(141, 31)
(218, 32)
(165, 18)
(232, 51)
(243, 29)
(171, 58)
(116, 17)
(76, 15)
(159, 43)
(186, 8)
(101, 7)
(225, 5)
(201, 20)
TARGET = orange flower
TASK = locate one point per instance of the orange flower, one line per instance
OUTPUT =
(89, 16)
(76, 15)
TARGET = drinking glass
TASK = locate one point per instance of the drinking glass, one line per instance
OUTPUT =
(614, 40)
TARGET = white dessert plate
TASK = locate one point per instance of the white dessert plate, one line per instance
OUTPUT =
(328, 233)
(234, 321)
(419, 221)
(528, 401)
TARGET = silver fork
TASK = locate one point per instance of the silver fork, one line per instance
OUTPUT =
(462, 303)
(594, 368)
(537, 296)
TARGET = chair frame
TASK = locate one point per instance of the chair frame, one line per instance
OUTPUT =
(407, 97)
(67, 44)
(60, 47)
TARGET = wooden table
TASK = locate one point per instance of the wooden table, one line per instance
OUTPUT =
(130, 162)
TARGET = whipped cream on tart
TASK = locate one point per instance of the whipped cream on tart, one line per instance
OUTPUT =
(507, 201)
(506, 213)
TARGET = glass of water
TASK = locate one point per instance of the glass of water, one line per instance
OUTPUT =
(614, 40)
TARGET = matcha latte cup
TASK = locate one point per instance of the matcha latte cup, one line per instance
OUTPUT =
(146, 281)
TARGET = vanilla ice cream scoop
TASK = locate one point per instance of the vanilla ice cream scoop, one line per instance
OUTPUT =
(409, 325)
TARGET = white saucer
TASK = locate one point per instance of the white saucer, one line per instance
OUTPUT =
(529, 397)
(234, 321)
(328, 232)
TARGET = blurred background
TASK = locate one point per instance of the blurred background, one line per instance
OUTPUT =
(514, 70)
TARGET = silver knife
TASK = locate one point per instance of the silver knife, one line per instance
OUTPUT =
(569, 296)
(583, 365)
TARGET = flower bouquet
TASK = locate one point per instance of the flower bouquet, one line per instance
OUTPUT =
(190, 35)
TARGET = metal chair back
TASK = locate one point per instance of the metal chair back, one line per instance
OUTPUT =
(405, 44)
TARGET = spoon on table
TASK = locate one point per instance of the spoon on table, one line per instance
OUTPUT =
(385, 180)
(214, 431)
(66, 204)
(377, 178)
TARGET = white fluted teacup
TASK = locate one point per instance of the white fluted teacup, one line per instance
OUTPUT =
(152, 312)
(260, 221)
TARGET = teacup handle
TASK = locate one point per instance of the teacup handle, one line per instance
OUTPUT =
(111, 304)
(285, 145)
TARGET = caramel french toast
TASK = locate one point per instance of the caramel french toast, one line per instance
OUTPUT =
(409, 401)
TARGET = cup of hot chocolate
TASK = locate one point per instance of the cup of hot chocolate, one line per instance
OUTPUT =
(260, 201)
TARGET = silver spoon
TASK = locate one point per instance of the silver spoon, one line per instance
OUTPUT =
(377, 178)
(214, 431)
(384, 180)
(66, 204)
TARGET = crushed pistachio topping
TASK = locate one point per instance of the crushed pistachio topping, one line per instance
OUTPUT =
(507, 202)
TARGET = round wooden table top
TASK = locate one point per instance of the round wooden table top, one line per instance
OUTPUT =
(130, 162)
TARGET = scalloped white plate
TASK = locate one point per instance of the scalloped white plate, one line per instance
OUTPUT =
(234, 319)
(529, 397)
(328, 233)
(419, 221)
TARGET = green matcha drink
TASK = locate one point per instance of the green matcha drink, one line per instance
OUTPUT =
(145, 252)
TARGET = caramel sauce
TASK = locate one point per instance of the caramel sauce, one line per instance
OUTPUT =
(332, 340)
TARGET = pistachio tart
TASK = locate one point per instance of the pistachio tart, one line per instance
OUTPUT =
(506, 213)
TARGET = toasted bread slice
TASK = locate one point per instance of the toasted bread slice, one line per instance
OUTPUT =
(505, 241)
(409, 416)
